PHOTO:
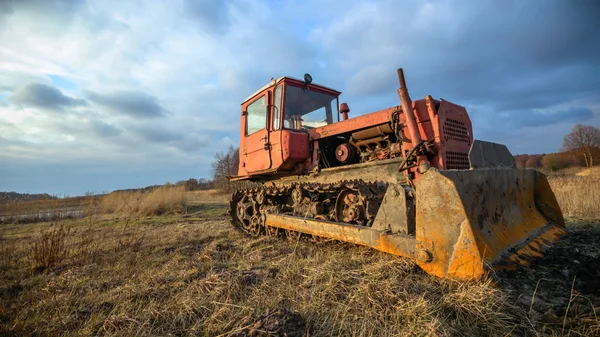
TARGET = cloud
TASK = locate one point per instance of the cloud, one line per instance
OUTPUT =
(45, 13)
(132, 103)
(212, 16)
(538, 119)
(189, 142)
(44, 96)
(102, 129)
(164, 79)
(157, 134)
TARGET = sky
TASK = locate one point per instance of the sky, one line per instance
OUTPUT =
(101, 95)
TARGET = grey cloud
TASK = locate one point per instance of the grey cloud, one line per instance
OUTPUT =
(534, 119)
(133, 103)
(53, 17)
(186, 142)
(158, 135)
(44, 96)
(102, 129)
(211, 16)
(43, 9)
(8, 127)
(192, 143)
(5, 10)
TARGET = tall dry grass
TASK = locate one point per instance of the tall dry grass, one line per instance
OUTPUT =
(162, 200)
(208, 196)
(49, 248)
(577, 195)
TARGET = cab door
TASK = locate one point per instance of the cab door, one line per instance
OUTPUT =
(257, 154)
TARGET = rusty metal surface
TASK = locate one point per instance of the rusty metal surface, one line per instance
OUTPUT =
(397, 212)
(379, 130)
(382, 170)
(394, 244)
(470, 220)
(487, 154)
(353, 124)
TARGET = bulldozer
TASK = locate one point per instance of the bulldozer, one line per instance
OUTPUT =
(409, 180)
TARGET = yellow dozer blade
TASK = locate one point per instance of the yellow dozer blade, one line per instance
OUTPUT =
(473, 220)
(491, 216)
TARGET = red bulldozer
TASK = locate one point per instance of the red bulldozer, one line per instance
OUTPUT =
(408, 180)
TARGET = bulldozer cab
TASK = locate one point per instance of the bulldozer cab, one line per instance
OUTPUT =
(275, 120)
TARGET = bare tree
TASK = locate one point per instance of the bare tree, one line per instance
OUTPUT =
(225, 164)
(584, 138)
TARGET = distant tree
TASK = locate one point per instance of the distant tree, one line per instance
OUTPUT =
(225, 164)
(532, 162)
(205, 184)
(583, 138)
(556, 161)
(191, 184)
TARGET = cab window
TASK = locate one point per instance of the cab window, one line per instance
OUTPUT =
(306, 109)
(257, 115)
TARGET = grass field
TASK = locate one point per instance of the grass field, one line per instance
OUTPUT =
(194, 275)
(169, 263)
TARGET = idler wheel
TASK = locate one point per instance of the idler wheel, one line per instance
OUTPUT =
(349, 208)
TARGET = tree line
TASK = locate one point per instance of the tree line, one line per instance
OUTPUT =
(580, 147)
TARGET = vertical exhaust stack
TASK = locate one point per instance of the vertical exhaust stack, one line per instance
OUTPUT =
(411, 123)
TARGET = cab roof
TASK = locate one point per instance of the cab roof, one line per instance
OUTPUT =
(274, 82)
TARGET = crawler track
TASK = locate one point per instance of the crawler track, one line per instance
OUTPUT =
(350, 202)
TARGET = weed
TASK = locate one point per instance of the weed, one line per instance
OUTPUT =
(49, 248)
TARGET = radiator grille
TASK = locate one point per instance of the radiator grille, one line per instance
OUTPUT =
(456, 130)
(457, 160)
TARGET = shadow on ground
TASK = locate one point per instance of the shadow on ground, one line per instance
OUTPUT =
(565, 281)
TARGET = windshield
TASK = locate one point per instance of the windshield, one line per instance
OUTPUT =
(305, 109)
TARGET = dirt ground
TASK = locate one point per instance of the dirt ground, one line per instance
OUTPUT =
(567, 279)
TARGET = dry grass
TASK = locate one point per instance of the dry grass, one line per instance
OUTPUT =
(49, 248)
(162, 200)
(208, 197)
(194, 275)
(576, 171)
(577, 195)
